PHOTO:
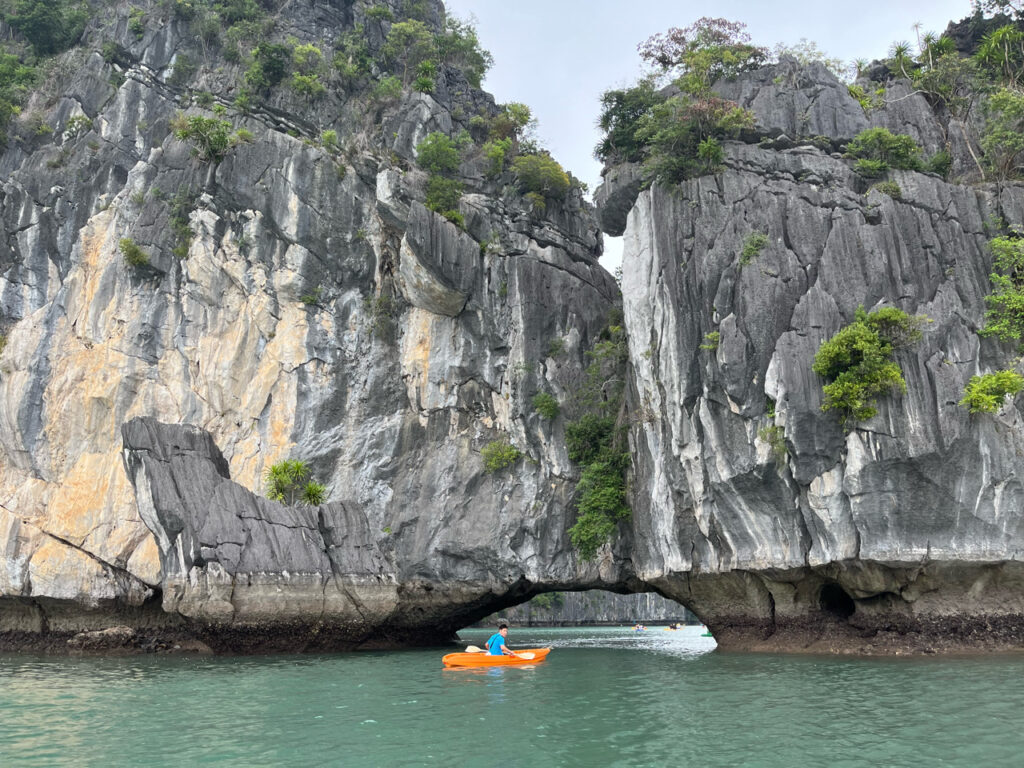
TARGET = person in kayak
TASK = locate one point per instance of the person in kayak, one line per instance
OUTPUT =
(496, 644)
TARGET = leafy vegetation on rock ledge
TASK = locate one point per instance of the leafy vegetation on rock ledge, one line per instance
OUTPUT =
(133, 255)
(754, 243)
(596, 443)
(985, 394)
(677, 137)
(499, 454)
(1005, 316)
(859, 363)
(546, 405)
(878, 149)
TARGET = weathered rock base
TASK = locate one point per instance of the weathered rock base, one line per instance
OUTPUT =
(948, 635)
(55, 627)
(859, 607)
(51, 626)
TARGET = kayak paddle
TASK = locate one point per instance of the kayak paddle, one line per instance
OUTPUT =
(474, 649)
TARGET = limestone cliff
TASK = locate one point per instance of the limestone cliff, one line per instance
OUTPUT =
(181, 311)
(779, 528)
(298, 301)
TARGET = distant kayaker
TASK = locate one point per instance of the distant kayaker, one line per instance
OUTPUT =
(496, 644)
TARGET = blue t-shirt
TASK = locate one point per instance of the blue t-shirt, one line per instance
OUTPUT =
(495, 644)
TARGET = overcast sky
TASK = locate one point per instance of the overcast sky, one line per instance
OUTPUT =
(558, 56)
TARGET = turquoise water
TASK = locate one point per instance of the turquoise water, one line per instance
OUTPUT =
(604, 697)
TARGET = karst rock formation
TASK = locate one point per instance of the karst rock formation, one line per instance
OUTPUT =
(299, 300)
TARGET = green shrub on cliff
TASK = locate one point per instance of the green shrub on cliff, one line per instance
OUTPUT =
(985, 394)
(884, 149)
(595, 443)
(408, 44)
(498, 455)
(16, 81)
(133, 255)
(514, 122)
(50, 26)
(588, 436)
(622, 113)
(775, 437)
(859, 361)
(388, 89)
(754, 243)
(426, 77)
(1002, 53)
(711, 340)
(271, 64)
(1003, 137)
(379, 13)
(700, 55)
(679, 137)
(540, 174)
(459, 46)
(1005, 316)
(546, 405)
(438, 153)
(443, 194)
(137, 22)
(602, 503)
(210, 137)
(496, 151)
(308, 86)
(867, 101)
(890, 188)
(870, 169)
(676, 134)
(289, 482)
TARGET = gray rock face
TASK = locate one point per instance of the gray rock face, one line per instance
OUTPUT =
(317, 310)
(906, 531)
(302, 302)
(797, 100)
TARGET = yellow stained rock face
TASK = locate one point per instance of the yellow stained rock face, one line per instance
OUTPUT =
(144, 563)
(273, 379)
(416, 355)
(245, 353)
(94, 508)
(60, 572)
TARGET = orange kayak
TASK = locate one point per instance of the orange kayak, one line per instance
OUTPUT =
(486, 660)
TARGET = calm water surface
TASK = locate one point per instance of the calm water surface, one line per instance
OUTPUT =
(604, 697)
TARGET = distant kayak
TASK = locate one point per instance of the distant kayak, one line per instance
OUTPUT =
(528, 656)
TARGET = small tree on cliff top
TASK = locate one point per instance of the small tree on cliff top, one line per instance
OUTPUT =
(699, 55)
(679, 137)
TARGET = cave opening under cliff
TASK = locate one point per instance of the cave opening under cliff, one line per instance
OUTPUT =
(592, 607)
(834, 600)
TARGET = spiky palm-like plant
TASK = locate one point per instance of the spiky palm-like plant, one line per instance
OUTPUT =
(288, 482)
(900, 55)
(1003, 50)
